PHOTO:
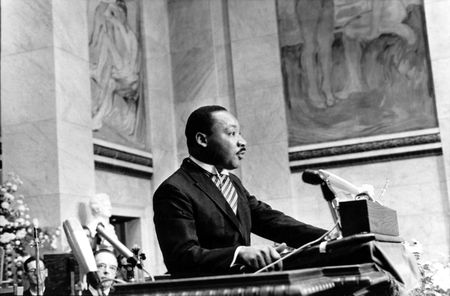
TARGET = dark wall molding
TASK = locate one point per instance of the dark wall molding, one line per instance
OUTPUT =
(122, 155)
(374, 151)
(123, 158)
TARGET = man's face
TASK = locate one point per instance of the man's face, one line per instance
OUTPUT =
(225, 145)
(31, 274)
(106, 268)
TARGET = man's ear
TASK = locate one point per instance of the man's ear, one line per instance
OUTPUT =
(201, 139)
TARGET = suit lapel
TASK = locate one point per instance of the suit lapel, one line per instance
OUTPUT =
(243, 212)
(206, 185)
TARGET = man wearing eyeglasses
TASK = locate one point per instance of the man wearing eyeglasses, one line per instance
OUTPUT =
(36, 276)
(106, 269)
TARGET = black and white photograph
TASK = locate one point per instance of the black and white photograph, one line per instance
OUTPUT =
(225, 147)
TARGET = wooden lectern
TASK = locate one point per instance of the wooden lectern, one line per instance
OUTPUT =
(342, 280)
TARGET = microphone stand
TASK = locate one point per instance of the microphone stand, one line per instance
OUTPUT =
(38, 260)
(333, 204)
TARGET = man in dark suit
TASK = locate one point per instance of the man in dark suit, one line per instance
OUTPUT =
(204, 229)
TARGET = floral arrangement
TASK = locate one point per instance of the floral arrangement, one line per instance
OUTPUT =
(17, 229)
(435, 279)
(136, 250)
(434, 276)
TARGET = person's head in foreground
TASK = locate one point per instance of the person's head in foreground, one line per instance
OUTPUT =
(35, 273)
(106, 268)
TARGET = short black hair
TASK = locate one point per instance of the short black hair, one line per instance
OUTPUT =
(31, 259)
(201, 121)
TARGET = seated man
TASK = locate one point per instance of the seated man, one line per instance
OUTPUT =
(106, 269)
(36, 276)
(204, 215)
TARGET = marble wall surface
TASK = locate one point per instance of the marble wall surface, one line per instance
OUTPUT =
(46, 137)
(200, 57)
(155, 29)
(439, 43)
(259, 97)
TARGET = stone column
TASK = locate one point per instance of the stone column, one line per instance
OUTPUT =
(46, 105)
(200, 59)
(439, 44)
(259, 99)
(155, 33)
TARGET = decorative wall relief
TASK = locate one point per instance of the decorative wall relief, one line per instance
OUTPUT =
(354, 68)
(116, 59)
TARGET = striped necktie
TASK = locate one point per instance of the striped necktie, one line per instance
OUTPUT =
(226, 187)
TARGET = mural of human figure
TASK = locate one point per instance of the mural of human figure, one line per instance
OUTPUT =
(316, 21)
(354, 68)
(368, 21)
(358, 21)
(115, 59)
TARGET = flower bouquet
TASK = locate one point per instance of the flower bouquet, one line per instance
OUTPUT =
(17, 232)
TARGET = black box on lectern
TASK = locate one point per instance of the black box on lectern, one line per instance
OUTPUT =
(362, 215)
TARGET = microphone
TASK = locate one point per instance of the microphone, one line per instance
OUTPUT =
(82, 251)
(321, 176)
(340, 183)
(312, 177)
(121, 248)
(347, 186)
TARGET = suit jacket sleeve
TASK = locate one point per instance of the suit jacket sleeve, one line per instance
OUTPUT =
(176, 231)
(275, 225)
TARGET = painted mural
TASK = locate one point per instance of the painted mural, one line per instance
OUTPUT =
(118, 104)
(354, 68)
